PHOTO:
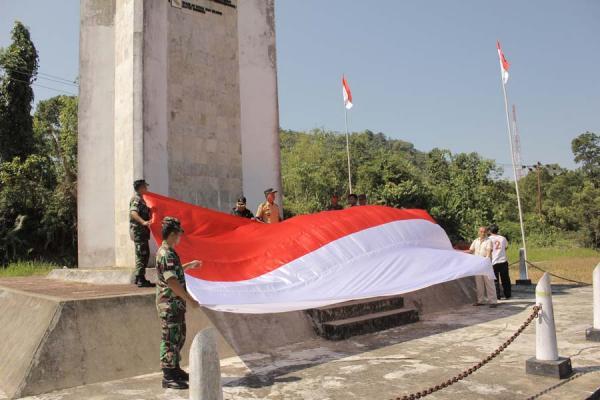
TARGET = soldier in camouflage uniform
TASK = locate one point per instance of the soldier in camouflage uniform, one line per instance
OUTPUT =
(139, 231)
(240, 209)
(171, 300)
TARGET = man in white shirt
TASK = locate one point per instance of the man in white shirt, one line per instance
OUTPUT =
(500, 262)
(482, 246)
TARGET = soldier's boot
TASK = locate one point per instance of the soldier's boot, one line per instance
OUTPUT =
(181, 374)
(171, 380)
(142, 282)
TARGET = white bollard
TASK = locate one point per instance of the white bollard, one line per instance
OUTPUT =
(523, 274)
(205, 367)
(546, 347)
(593, 333)
(546, 361)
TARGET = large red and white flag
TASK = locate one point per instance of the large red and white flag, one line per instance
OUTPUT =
(311, 260)
(504, 64)
(347, 93)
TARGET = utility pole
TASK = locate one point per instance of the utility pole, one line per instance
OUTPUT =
(538, 171)
(539, 188)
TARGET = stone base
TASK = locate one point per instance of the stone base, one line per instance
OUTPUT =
(524, 282)
(592, 334)
(560, 368)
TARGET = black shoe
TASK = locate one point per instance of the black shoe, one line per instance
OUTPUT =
(142, 282)
(171, 384)
(181, 374)
(171, 380)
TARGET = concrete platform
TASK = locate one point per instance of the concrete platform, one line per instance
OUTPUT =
(98, 276)
(401, 360)
(70, 333)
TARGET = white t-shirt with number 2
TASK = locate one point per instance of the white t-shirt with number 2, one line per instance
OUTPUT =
(499, 245)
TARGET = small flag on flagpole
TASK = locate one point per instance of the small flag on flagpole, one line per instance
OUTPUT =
(504, 65)
(347, 93)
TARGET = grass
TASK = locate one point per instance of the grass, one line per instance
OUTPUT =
(574, 263)
(27, 268)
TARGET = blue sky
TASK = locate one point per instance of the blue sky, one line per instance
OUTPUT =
(422, 71)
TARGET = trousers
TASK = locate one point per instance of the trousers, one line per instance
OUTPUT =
(486, 292)
(173, 332)
(502, 275)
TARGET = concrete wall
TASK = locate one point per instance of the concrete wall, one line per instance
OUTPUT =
(204, 143)
(95, 198)
(49, 343)
(128, 125)
(259, 101)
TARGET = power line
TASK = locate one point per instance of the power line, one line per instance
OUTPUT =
(41, 75)
(46, 87)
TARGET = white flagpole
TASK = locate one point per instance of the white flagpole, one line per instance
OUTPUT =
(348, 149)
(513, 161)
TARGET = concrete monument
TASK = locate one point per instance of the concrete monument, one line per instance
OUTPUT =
(182, 93)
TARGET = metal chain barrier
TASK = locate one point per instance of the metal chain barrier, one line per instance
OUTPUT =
(469, 371)
(556, 276)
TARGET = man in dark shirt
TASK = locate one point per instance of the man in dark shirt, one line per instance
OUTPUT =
(240, 209)
(352, 200)
(362, 199)
(335, 205)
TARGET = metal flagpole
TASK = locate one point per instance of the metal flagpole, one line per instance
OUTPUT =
(348, 149)
(513, 163)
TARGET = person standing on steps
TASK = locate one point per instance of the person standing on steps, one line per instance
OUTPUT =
(335, 203)
(139, 231)
(268, 212)
(241, 210)
(171, 301)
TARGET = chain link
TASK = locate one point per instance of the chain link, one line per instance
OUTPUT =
(469, 371)
(557, 276)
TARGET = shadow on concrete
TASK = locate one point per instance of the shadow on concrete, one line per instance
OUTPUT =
(577, 373)
(557, 289)
(269, 367)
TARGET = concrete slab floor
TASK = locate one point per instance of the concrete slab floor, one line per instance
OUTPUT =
(402, 360)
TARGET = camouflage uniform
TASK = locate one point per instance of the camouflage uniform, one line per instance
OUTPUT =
(171, 309)
(140, 234)
(244, 214)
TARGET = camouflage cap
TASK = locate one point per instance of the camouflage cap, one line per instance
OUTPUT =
(172, 222)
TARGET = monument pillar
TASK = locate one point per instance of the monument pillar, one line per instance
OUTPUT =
(181, 93)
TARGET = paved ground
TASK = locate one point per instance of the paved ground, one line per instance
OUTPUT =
(398, 361)
(69, 290)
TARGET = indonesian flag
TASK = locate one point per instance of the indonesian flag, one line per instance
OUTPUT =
(504, 65)
(311, 260)
(347, 93)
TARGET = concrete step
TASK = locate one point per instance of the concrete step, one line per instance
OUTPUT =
(346, 328)
(355, 308)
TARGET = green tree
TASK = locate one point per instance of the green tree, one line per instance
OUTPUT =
(25, 190)
(19, 62)
(586, 148)
(55, 127)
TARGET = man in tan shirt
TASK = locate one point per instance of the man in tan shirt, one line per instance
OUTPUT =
(268, 212)
(482, 247)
